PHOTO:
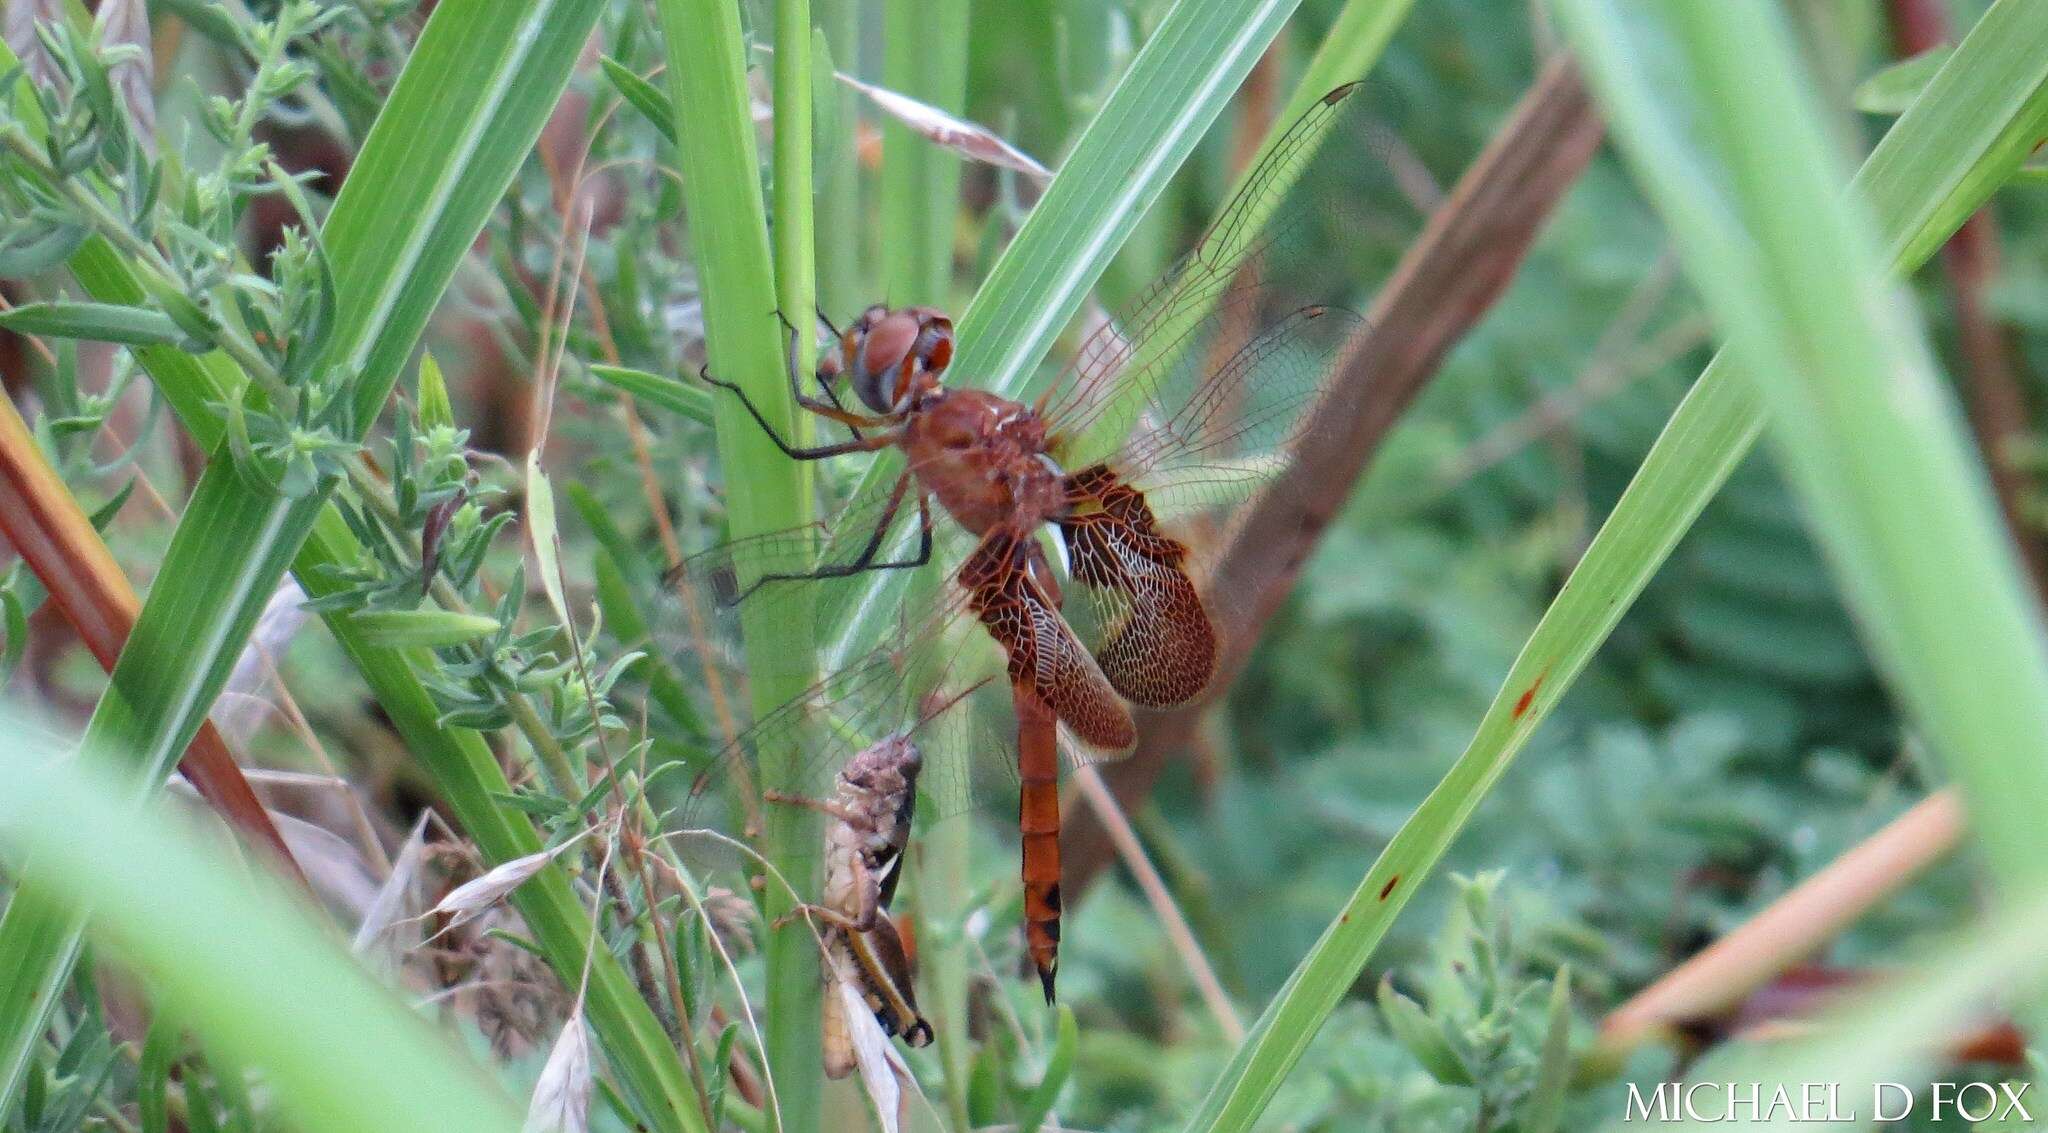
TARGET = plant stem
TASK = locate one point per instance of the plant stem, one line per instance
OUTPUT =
(839, 204)
(765, 491)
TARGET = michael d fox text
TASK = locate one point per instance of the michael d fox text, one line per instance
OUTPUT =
(1746, 1102)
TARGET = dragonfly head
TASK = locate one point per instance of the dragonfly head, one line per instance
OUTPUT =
(896, 356)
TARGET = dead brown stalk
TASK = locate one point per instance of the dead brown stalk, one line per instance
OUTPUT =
(43, 521)
(1717, 978)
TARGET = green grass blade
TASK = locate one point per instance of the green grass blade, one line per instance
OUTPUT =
(841, 222)
(463, 116)
(1175, 87)
(357, 1059)
(794, 1049)
(1867, 432)
(765, 490)
(1931, 170)
(924, 55)
(1349, 49)
(690, 401)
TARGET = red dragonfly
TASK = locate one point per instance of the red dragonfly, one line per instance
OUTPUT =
(1174, 411)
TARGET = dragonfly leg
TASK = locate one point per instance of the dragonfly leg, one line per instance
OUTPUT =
(865, 560)
(794, 452)
(835, 410)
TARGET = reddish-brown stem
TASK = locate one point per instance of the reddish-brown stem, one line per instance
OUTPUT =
(1720, 976)
(1088, 784)
(53, 535)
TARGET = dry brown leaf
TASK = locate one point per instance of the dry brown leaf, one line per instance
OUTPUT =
(245, 702)
(968, 139)
(883, 1073)
(331, 863)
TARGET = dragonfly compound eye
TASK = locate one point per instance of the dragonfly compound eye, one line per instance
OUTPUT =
(934, 346)
(883, 349)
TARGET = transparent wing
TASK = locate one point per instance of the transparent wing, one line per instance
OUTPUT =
(1190, 401)
(793, 576)
(1229, 432)
(1184, 357)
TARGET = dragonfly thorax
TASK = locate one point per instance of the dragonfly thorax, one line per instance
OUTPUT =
(983, 457)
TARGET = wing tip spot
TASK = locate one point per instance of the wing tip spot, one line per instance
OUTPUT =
(1340, 93)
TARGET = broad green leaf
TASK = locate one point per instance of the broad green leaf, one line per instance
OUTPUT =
(1864, 427)
(1175, 87)
(644, 96)
(1893, 89)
